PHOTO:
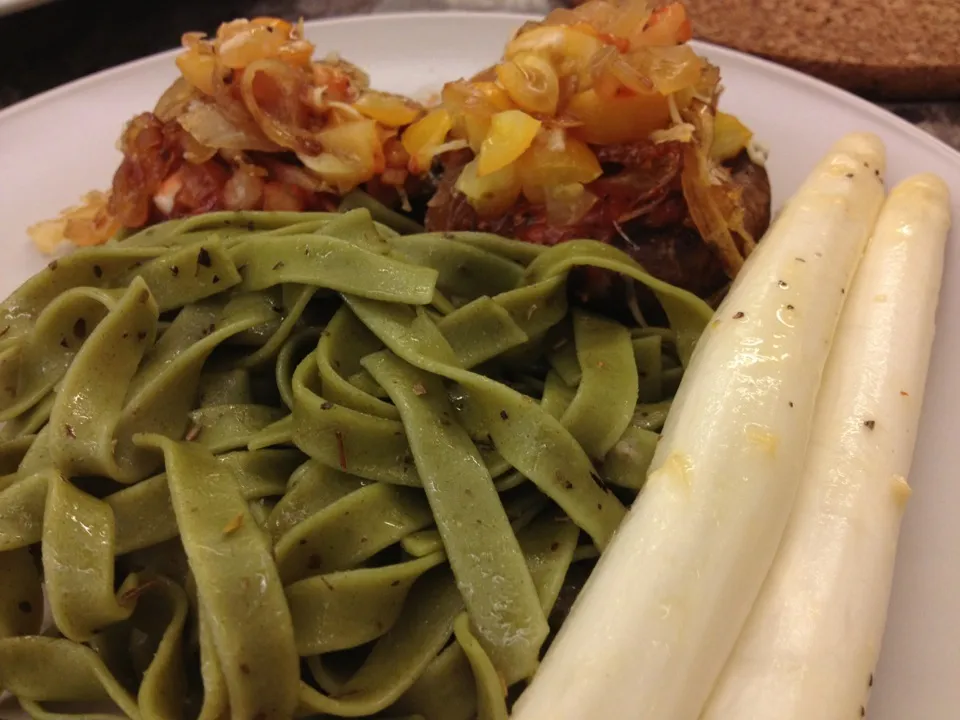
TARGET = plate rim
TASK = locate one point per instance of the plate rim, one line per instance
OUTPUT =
(10, 7)
(757, 63)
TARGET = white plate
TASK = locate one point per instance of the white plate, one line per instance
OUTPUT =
(56, 146)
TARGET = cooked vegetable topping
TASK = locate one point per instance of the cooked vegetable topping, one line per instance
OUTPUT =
(598, 122)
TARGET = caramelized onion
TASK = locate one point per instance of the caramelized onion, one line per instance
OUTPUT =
(599, 72)
(631, 22)
(271, 93)
(194, 151)
(249, 44)
(631, 78)
(706, 214)
(670, 69)
(228, 99)
(210, 127)
(355, 77)
(668, 26)
(175, 100)
(713, 200)
(599, 15)
(89, 223)
(352, 155)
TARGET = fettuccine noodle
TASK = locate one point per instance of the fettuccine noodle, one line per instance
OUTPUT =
(267, 465)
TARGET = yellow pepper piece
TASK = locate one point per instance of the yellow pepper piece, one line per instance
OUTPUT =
(531, 82)
(606, 121)
(472, 105)
(421, 139)
(555, 159)
(730, 137)
(511, 133)
(493, 94)
(386, 109)
(492, 194)
(198, 68)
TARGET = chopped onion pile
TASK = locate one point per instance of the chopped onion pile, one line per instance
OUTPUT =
(602, 74)
(256, 87)
(252, 123)
(255, 123)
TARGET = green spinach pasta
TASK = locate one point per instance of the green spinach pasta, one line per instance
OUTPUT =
(275, 465)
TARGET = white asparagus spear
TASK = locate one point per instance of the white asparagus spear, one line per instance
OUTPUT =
(658, 618)
(811, 642)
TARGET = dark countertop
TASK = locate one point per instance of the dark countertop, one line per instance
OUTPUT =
(58, 42)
